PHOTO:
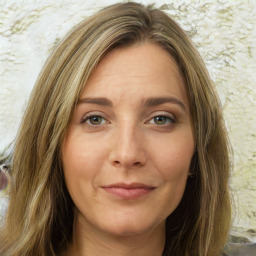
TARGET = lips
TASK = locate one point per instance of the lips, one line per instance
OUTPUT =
(128, 191)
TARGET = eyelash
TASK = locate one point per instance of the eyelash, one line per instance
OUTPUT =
(86, 119)
(89, 116)
(170, 119)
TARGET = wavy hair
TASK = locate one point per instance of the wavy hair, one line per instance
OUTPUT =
(40, 215)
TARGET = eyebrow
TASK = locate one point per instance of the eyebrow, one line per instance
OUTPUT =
(97, 101)
(155, 101)
(148, 102)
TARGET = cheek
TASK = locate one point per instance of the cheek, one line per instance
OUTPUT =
(79, 169)
(78, 155)
(77, 166)
(173, 156)
(173, 164)
(82, 160)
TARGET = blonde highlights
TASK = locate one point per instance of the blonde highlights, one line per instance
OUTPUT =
(40, 214)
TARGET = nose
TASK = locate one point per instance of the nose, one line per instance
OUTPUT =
(127, 148)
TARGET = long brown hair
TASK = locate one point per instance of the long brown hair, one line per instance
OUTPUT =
(40, 214)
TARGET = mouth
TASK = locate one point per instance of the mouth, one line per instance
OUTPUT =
(128, 191)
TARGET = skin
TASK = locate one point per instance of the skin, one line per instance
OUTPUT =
(128, 140)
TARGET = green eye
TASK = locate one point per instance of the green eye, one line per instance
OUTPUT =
(162, 120)
(93, 120)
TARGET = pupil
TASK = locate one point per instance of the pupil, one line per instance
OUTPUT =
(96, 120)
(160, 119)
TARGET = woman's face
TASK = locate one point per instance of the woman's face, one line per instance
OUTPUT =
(128, 148)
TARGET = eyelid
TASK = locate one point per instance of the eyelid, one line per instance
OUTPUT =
(172, 119)
(91, 114)
(162, 113)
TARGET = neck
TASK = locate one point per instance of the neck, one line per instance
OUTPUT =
(97, 243)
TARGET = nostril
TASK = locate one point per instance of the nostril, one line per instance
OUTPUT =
(117, 163)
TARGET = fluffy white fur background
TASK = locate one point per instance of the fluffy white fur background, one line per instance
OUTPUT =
(224, 32)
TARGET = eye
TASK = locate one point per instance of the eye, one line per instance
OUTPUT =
(94, 120)
(162, 120)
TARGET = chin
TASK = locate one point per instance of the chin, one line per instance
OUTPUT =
(131, 226)
(126, 232)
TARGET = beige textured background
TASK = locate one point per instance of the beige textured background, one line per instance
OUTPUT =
(224, 32)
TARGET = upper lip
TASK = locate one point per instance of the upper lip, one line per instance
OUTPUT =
(129, 185)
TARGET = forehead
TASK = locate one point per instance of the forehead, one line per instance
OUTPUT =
(139, 70)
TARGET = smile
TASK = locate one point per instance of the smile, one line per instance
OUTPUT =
(128, 191)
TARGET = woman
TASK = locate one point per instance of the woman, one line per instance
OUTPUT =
(122, 149)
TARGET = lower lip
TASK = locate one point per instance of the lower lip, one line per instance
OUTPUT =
(128, 194)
